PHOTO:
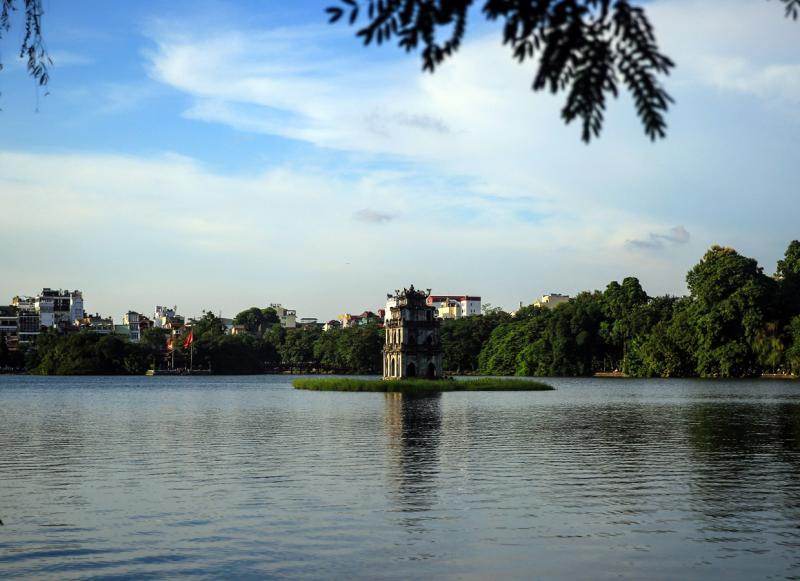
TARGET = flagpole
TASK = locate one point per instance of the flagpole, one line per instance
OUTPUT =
(191, 353)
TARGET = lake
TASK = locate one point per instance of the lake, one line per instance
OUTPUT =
(243, 477)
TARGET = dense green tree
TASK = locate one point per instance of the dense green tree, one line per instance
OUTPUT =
(257, 320)
(235, 354)
(574, 334)
(298, 346)
(793, 351)
(730, 296)
(667, 349)
(208, 326)
(326, 350)
(502, 354)
(361, 347)
(788, 277)
(625, 317)
(87, 353)
(153, 344)
(463, 338)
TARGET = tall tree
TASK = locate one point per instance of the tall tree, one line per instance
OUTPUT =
(623, 309)
(788, 277)
(463, 338)
(257, 320)
(730, 296)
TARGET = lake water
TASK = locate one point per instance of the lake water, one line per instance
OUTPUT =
(246, 478)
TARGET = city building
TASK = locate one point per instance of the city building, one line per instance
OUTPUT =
(97, 324)
(413, 345)
(167, 318)
(123, 331)
(9, 325)
(287, 317)
(365, 318)
(467, 305)
(137, 324)
(28, 321)
(308, 323)
(332, 324)
(59, 308)
(449, 309)
(391, 301)
(551, 301)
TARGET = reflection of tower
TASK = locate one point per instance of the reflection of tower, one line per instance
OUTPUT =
(413, 342)
(414, 427)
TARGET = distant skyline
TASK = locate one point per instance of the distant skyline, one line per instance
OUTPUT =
(221, 155)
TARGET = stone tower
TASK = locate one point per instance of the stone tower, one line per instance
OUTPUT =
(413, 339)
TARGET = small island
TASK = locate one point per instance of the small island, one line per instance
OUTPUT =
(412, 346)
(418, 385)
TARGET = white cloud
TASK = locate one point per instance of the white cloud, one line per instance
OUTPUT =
(771, 82)
(737, 45)
(65, 58)
(132, 232)
(486, 191)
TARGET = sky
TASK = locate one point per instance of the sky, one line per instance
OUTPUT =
(220, 155)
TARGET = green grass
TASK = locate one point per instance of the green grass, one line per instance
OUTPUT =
(417, 385)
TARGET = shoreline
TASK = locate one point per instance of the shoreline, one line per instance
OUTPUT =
(596, 375)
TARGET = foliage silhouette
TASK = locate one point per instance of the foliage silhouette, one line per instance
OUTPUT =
(32, 46)
(585, 48)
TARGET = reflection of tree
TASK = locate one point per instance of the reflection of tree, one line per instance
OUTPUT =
(414, 425)
(747, 470)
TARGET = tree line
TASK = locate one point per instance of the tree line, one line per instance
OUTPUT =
(263, 347)
(736, 321)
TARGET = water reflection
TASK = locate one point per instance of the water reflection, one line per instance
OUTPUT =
(413, 428)
(746, 477)
(601, 480)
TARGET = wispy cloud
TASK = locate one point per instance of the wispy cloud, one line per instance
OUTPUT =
(65, 58)
(738, 45)
(373, 216)
(657, 240)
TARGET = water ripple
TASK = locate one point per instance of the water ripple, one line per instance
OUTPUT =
(244, 477)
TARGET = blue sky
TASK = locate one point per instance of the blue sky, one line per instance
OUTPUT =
(219, 155)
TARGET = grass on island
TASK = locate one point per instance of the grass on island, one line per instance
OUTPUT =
(418, 385)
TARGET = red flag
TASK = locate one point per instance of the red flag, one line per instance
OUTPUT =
(170, 343)
(189, 340)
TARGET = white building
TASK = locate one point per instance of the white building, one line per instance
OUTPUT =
(551, 301)
(50, 308)
(137, 324)
(287, 317)
(163, 315)
(308, 322)
(59, 307)
(391, 301)
(467, 305)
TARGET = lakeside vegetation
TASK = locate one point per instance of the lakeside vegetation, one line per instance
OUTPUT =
(417, 386)
(735, 322)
